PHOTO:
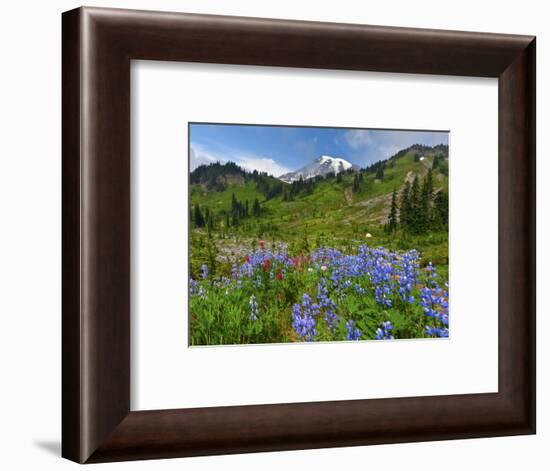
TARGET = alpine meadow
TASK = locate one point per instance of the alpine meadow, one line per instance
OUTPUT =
(316, 234)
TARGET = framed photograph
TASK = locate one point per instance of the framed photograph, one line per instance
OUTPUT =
(282, 235)
(299, 246)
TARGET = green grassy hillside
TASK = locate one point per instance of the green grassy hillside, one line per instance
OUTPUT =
(331, 211)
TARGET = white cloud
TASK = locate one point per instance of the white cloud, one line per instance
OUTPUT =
(261, 164)
(372, 145)
(198, 157)
(357, 138)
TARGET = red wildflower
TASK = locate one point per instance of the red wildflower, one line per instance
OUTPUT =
(262, 244)
(280, 275)
(267, 265)
(248, 259)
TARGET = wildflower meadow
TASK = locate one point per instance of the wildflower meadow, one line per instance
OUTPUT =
(272, 296)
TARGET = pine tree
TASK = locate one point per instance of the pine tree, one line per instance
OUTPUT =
(237, 210)
(208, 218)
(380, 173)
(414, 201)
(405, 208)
(256, 209)
(441, 210)
(426, 204)
(392, 220)
(356, 183)
(198, 218)
(430, 196)
(429, 183)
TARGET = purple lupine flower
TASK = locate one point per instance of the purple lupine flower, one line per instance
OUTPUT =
(383, 332)
(234, 271)
(434, 300)
(437, 331)
(193, 287)
(303, 317)
(382, 279)
(407, 274)
(197, 290)
(327, 303)
(435, 304)
(202, 293)
(353, 333)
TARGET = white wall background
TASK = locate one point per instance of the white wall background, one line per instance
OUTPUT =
(30, 232)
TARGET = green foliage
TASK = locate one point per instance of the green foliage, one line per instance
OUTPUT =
(405, 212)
(420, 211)
(441, 210)
(198, 218)
(392, 220)
(221, 313)
(230, 210)
(256, 208)
(325, 207)
(358, 181)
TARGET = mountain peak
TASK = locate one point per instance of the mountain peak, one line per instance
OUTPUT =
(319, 167)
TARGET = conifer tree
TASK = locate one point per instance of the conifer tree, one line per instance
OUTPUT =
(198, 217)
(392, 220)
(426, 203)
(256, 209)
(405, 207)
(429, 183)
(356, 183)
(414, 201)
(441, 210)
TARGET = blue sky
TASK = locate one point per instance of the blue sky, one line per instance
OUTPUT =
(280, 149)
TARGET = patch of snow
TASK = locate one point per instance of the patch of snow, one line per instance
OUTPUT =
(321, 166)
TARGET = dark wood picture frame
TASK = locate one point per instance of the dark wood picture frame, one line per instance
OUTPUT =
(97, 47)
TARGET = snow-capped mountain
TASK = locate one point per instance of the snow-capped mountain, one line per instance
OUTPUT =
(321, 166)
